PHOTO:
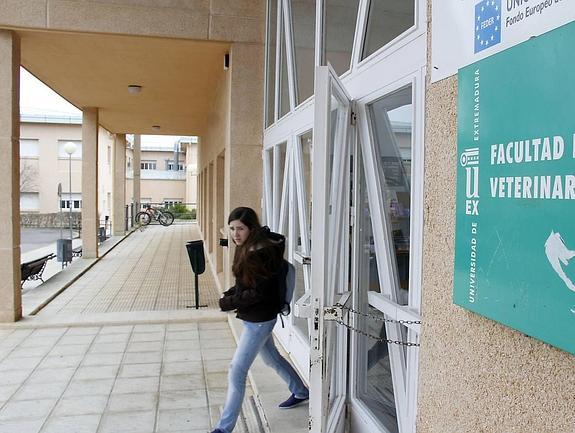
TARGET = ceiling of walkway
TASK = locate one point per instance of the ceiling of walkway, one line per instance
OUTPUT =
(178, 77)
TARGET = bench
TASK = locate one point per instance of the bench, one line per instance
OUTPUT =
(77, 252)
(33, 269)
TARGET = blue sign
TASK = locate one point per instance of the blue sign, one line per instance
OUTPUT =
(487, 24)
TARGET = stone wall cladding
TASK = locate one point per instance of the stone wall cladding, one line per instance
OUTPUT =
(50, 220)
(218, 20)
(475, 375)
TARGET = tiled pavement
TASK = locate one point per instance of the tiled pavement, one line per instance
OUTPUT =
(113, 379)
(148, 271)
(119, 351)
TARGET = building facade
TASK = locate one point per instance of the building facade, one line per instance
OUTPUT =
(44, 164)
(323, 114)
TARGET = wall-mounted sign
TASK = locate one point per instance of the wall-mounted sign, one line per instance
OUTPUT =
(515, 230)
(465, 31)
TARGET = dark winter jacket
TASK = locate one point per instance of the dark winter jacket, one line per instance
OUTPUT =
(261, 302)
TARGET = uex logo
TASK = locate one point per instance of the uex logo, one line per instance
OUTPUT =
(487, 24)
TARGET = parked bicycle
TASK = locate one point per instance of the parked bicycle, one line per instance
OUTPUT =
(146, 216)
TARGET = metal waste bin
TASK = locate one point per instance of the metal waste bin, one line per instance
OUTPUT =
(198, 262)
(64, 250)
(196, 255)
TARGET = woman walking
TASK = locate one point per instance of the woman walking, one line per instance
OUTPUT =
(259, 272)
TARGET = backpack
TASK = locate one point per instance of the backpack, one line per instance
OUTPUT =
(287, 281)
(287, 289)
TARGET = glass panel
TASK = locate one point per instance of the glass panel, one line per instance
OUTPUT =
(271, 61)
(268, 185)
(280, 184)
(392, 125)
(375, 383)
(299, 323)
(386, 20)
(284, 89)
(303, 17)
(341, 16)
(306, 141)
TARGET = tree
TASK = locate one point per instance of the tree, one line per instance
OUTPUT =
(28, 176)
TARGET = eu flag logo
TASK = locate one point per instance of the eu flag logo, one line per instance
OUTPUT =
(487, 24)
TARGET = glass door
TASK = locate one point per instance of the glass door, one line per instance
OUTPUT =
(384, 368)
(329, 251)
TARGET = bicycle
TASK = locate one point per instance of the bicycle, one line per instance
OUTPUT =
(164, 217)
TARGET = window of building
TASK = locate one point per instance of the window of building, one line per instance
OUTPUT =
(29, 148)
(271, 62)
(386, 20)
(76, 201)
(340, 23)
(170, 165)
(62, 153)
(303, 18)
(29, 201)
(172, 201)
(284, 102)
(148, 165)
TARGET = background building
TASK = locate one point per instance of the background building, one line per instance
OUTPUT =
(44, 165)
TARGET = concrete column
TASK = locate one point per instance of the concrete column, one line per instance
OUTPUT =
(210, 207)
(220, 217)
(243, 176)
(119, 186)
(137, 167)
(90, 221)
(10, 293)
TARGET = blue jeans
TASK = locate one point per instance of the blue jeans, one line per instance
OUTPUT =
(256, 338)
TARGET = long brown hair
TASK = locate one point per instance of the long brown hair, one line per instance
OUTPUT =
(249, 266)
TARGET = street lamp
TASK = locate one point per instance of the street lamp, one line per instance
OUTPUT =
(70, 148)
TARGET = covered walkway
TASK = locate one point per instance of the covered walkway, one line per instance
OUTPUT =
(120, 351)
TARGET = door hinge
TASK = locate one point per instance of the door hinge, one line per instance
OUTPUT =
(353, 119)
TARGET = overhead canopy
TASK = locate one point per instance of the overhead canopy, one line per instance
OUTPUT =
(178, 77)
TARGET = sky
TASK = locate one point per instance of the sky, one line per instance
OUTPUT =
(37, 98)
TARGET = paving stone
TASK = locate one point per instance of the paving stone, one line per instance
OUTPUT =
(25, 426)
(182, 381)
(183, 399)
(145, 346)
(81, 405)
(182, 355)
(136, 384)
(59, 361)
(128, 422)
(187, 367)
(103, 359)
(148, 336)
(140, 370)
(69, 349)
(72, 424)
(218, 354)
(51, 375)
(29, 409)
(35, 391)
(89, 387)
(185, 419)
(96, 372)
(143, 357)
(145, 401)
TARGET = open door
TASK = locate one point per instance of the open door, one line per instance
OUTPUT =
(330, 282)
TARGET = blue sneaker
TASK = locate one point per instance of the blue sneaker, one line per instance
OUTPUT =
(292, 401)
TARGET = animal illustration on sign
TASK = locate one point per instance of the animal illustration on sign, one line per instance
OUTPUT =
(557, 254)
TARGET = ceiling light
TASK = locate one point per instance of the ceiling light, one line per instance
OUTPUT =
(134, 89)
(156, 127)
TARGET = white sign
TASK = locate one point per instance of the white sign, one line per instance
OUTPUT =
(465, 31)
